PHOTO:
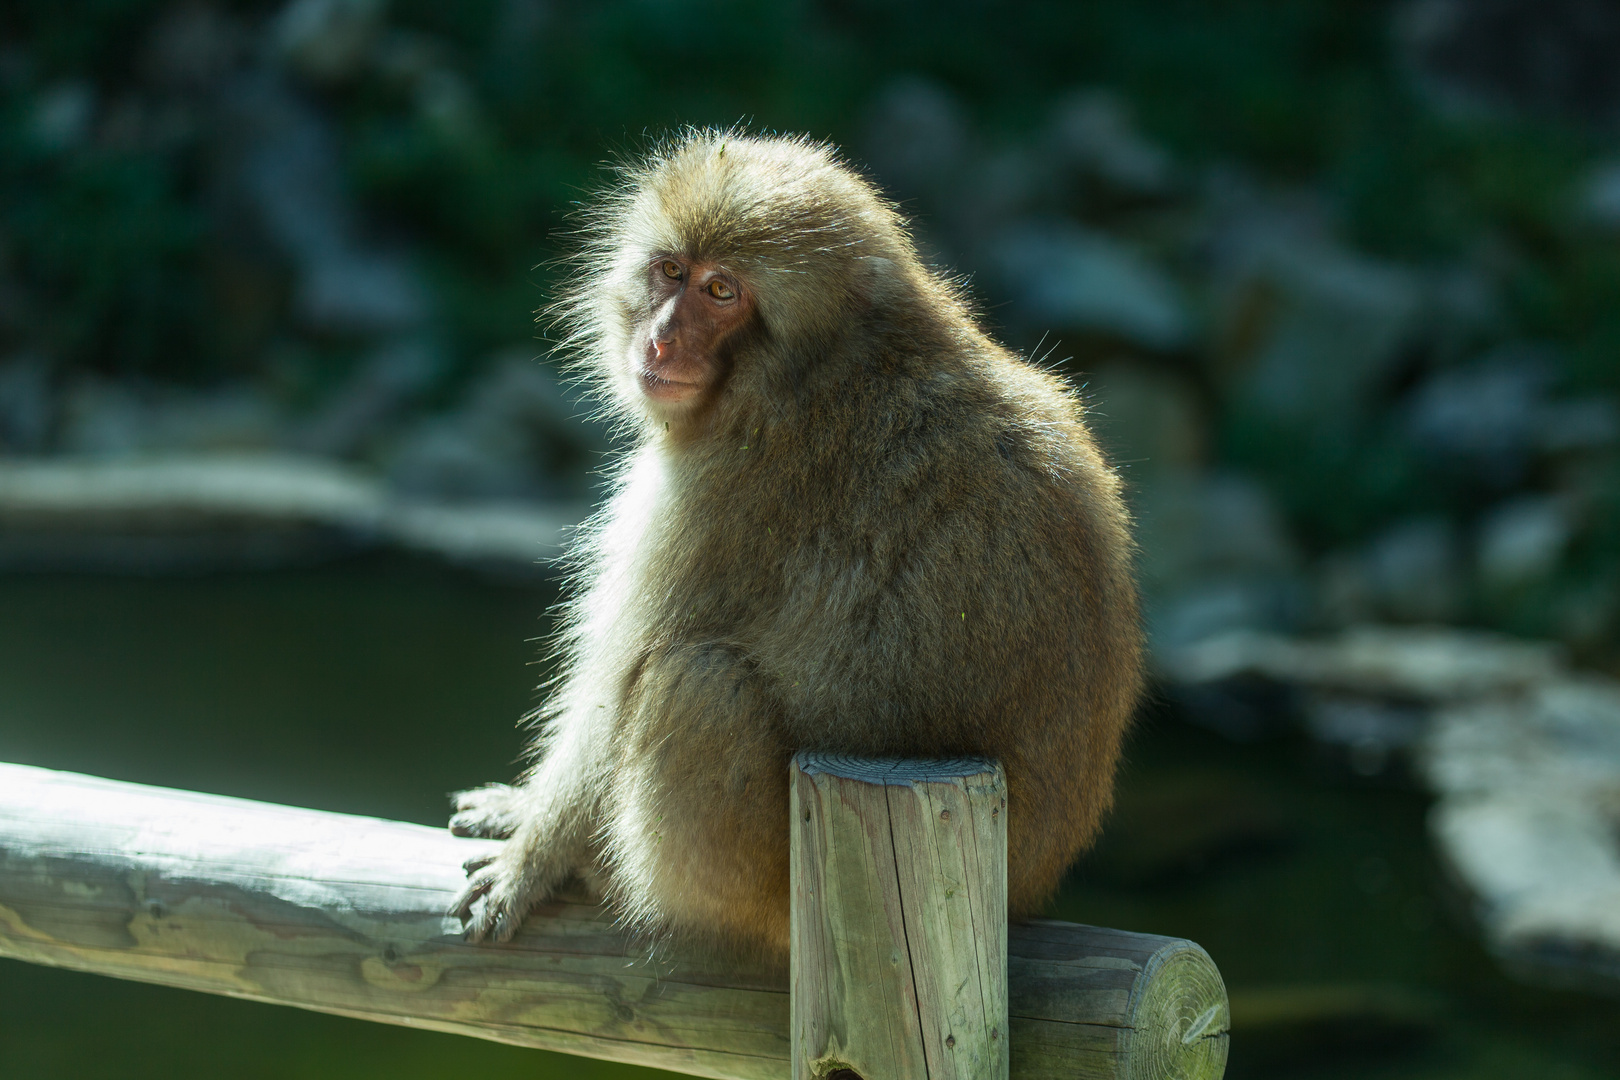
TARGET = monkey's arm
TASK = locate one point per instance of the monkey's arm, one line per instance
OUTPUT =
(548, 821)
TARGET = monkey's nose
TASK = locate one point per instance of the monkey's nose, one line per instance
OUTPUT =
(661, 349)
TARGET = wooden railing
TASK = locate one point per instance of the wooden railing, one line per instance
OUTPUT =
(904, 965)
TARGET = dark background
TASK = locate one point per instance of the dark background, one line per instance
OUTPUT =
(1340, 280)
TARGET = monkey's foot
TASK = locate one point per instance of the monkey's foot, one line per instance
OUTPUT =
(490, 811)
(497, 896)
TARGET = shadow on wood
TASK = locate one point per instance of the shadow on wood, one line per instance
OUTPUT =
(344, 915)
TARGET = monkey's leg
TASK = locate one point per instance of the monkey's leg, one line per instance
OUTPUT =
(550, 815)
(696, 828)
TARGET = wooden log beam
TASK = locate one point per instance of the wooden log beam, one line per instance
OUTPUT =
(344, 914)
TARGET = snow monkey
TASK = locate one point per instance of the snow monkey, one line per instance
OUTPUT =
(850, 522)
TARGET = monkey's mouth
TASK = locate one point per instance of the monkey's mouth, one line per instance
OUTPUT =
(661, 389)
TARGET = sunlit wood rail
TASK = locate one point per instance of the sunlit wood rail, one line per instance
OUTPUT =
(345, 915)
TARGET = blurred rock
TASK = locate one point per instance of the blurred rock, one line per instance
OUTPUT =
(1325, 327)
(1522, 540)
(1600, 202)
(1411, 572)
(1487, 414)
(1370, 731)
(1215, 557)
(102, 418)
(1530, 787)
(191, 512)
(448, 457)
(504, 440)
(327, 41)
(383, 384)
(1091, 132)
(287, 167)
(513, 539)
(1578, 424)
(1415, 664)
(1212, 607)
(1150, 419)
(1063, 277)
(1415, 571)
(1548, 57)
(1195, 526)
(1306, 331)
(1523, 755)
(361, 292)
(518, 387)
(27, 408)
(1344, 590)
(1495, 415)
(1560, 737)
(63, 115)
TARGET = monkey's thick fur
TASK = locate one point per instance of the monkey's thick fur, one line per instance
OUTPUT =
(882, 534)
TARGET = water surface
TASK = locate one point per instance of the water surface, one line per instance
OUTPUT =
(376, 686)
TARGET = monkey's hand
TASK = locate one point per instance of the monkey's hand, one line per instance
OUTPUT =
(490, 811)
(501, 888)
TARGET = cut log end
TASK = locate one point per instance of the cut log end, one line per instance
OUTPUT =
(1179, 1016)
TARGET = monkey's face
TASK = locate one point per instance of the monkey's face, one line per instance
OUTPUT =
(678, 354)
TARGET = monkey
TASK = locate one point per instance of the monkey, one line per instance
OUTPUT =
(850, 521)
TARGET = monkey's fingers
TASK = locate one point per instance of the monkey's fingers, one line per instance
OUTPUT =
(506, 925)
(473, 824)
(478, 862)
(462, 906)
(490, 907)
(503, 910)
(486, 811)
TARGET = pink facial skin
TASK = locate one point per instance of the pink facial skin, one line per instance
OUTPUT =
(695, 308)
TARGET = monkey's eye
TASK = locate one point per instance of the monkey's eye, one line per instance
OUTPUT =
(672, 269)
(720, 291)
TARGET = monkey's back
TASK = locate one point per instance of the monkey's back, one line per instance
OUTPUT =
(931, 559)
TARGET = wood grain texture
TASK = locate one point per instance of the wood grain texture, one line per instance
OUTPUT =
(899, 918)
(344, 914)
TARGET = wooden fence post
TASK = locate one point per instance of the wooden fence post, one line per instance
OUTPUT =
(899, 919)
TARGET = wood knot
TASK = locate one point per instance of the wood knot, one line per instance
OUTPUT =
(950, 1042)
(944, 815)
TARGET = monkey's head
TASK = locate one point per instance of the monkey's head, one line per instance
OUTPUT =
(725, 267)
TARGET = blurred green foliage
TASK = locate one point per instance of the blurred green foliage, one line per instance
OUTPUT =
(106, 244)
(114, 254)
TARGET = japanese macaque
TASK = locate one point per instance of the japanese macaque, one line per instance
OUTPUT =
(851, 522)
